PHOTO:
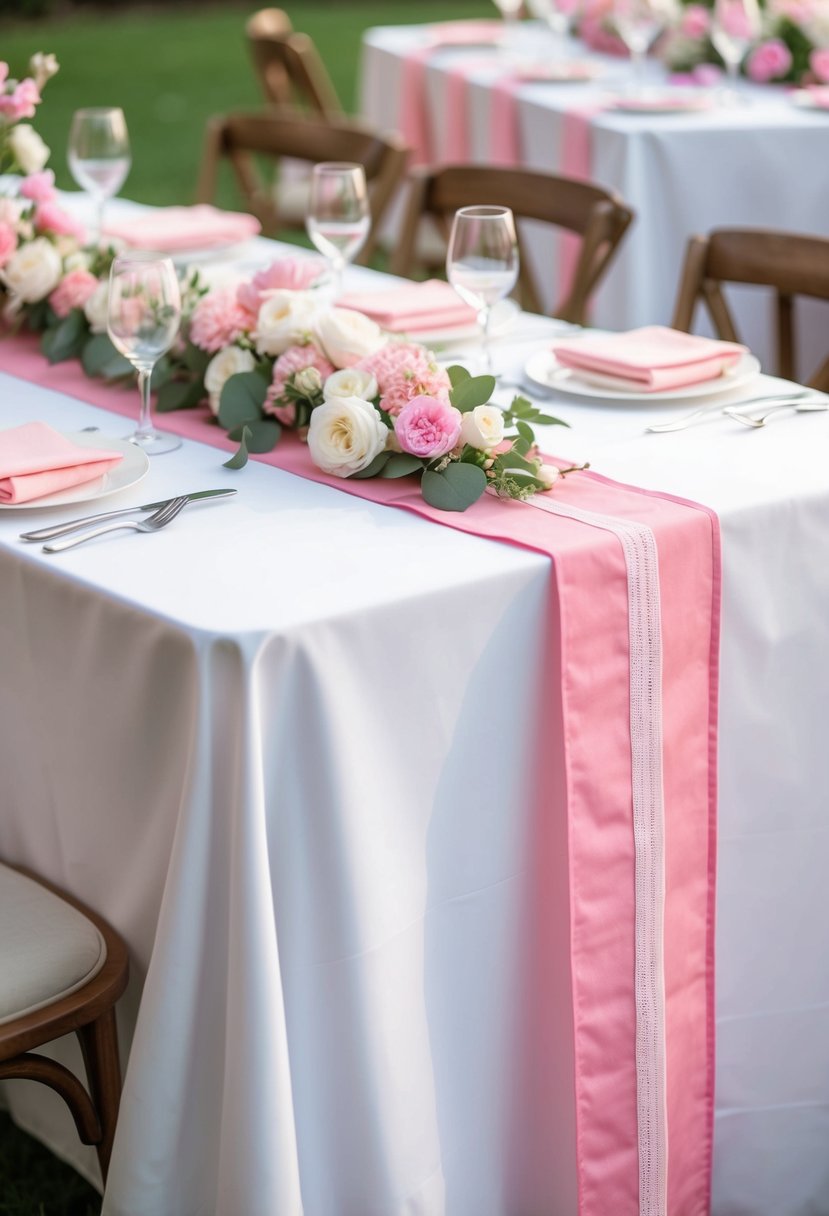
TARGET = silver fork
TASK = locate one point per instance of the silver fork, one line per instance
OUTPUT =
(165, 515)
(679, 424)
(802, 407)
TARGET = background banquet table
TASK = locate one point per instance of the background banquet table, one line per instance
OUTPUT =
(280, 746)
(761, 164)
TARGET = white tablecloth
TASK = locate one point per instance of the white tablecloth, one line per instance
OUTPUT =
(282, 746)
(763, 164)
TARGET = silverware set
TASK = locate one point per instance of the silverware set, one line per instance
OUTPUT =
(804, 401)
(163, 513)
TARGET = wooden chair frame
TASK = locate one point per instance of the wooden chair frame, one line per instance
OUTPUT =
(90, 1013)
(276, 134)
(596, 215)
(289, 66)
(788, 263)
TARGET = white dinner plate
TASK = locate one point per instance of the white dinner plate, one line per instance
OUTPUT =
(128, 472)
(806, 100)
(669, 103)
(545, 372)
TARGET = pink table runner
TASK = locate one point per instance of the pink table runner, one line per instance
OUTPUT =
(627, 759)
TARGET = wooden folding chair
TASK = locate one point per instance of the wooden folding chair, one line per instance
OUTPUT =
(595, 215)
(62, 968)
(290, 69)
(276, 134)
(790, 264)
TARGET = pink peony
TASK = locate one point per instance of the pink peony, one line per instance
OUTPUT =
(708, 75)
(8, 242)
(819, 63)
(21, 102)
(403, 371)
(218, 320)
(49, 217)
(294, 360)
(769, 61)
(695, 21)
(39, 187)
(288, 274)
(73, 291)
(428, 427)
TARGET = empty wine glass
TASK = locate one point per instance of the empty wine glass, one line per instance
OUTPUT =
(735, 24)
(510, 10)
(557, 20)
(144, 317)
(99, 155)
(338, 219)
(482, 262)
(639, 23)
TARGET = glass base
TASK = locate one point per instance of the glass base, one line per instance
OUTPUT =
(155, 443)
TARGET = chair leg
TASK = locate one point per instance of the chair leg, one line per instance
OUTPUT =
(99, 1043)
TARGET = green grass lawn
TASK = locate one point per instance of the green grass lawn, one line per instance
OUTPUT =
(170, 69)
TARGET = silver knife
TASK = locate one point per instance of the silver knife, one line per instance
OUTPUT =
(74, 524)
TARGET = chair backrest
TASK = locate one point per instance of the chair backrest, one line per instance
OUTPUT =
(791, 265)
(289, 67)
(596, 215)
(277, 134)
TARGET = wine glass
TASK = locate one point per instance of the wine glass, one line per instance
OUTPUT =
(482, 262)
(144, 317)
(639, 23)
(510, 11)
(735, 24)
(338, 219)
(556, 18)
(99, 155)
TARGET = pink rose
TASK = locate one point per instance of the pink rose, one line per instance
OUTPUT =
(4, 71)
(707, 75)
(73, 291)
(428, 427)
(769, 61)
(21, 102)
(734, 20)
(287, 274)
(8, 242)
(695, 21)
(49, 217)
(39, 187)
(819, 63)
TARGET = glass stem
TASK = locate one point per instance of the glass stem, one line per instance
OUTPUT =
(100, 203)
(145, 424)
(485, 315)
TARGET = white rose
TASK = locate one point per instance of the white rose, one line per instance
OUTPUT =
(33, 271)
(350, 382)
(28, 148)
(43, 67)
(549, 474)
(308, 382)
(285, 319)
(345, 435)
(221, 367)
(347, 336)
(96, 308)
(483, 427)
(77, 260)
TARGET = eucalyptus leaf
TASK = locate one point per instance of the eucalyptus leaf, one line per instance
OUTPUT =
(401, 464)
(66, 339)
(549, 420)
(371, 470)
(512, 461)
(457, 374)
(474, 391)
(196, 359)
(98, 351)
(455, 489)
(162, 371)
(261, 435)
(240, 458)
(525, 431)
(242, 399)
(179, 395)
(117, 368)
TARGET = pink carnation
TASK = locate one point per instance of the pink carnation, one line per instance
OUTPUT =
(21, 102)
(73, 291)
(695, 21)
(8, 242)
(769, 61)
(819, 63)
(428, 427)
(218, 320)
(49, 217)
(294, 360)
(288, 274)
(403, 371)
(39, 187)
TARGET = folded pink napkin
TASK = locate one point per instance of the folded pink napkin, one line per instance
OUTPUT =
(36, 460)
(650, 360)
(413, 307)
(818, 95)
(179, 229)
(466, 33)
